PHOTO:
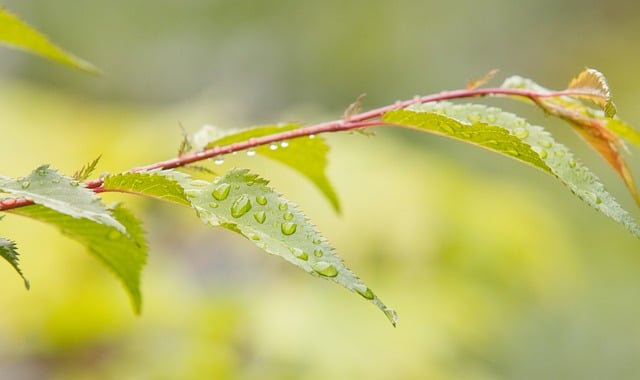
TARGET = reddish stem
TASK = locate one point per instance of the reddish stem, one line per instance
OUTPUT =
(362, 120)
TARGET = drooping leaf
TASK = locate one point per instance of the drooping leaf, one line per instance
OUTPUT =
(307, 155)
(47, 187)
(124, 254)
(593, 125)
(17, 34)
(551, 156)
(242, 202)
(86, 170)
(9, 252)
(157, 184)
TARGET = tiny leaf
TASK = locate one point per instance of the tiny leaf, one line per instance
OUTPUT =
(47, 187)
(594, 85)
(9, 252)
(16, 33)
(552, 157)
(86, 170)
(124, 254)
(242, 202)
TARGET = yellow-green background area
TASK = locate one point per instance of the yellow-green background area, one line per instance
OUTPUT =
(496, 270)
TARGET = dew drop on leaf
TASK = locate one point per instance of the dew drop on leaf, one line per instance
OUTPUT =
(251, 153)
(543, 154)
(74, 183)
(213, 205)
(572, 164)
(288, 228)
(25, 184)
(261, 200)
(283, 206)
(521, 133)
(392, 315)
(273, 146)
(364, 291)
(221, 192)
(474, 117)
(318, 253)
(191, 193)
(492, 118)
(300, 254)
(287, 216)
(545, 144)
(41, 171)
(219, 161)
(317, 241)
(312, 136)
(325, 269)
(199, 183)
(114, 234)
(240, 206)
(284, 144)
(260, 216)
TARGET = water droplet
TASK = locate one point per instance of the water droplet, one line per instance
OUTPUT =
(260, 216)
(543, 154)
(261, 200)
(114, 235)
(288, 228)
(392, 315)
(191, 193)
(545, 143)
(318, 253)
(474, 117)
(283, 206)
(273, 146)
(560, 153)
(25, 184)
(572, 164)
(312, 136)
(41, 171)
(364, 291)
(221, 192)
(198, 183)
(325, 269)
(520, 133)
(492, 118)
(284, 144)
(219, 160)
(74, 183)
(240, 206)
(251, 153)
(255, 237)
(287, 216)
(300, 254)
(317, 241)
(213, 205)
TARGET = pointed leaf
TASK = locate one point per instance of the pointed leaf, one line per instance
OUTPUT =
(86, 170)
(9, 252)
(47, 187)
(556, 158)
(307, 155)
(16, 33)
(157, 184)
(594, 125)
(124, 254)
(242, 202)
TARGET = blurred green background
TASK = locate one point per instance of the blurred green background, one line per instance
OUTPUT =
(496, 270)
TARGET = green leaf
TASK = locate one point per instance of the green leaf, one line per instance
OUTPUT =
(242, 202)
(307, 155)
(9, 252)
(450, 120)
(47, 187)
(124, 254)
(435, 118)
(156, 184)
(17, 34)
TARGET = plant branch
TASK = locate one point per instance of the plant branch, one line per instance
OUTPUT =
(365, 119)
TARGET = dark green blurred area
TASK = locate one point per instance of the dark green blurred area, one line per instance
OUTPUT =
(496, 270)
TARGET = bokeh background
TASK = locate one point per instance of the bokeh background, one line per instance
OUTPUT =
(496, 270)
